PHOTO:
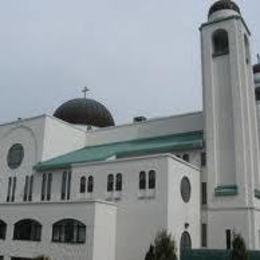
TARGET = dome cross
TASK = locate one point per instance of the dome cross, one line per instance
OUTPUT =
(84, 91)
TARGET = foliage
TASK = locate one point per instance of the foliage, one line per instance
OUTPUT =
(42, 257)
(239, 251)
(164, 248)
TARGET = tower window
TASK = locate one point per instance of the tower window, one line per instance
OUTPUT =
(220, 43)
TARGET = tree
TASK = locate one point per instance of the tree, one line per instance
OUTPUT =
(150, 254)
(239, 251)
(164, 248)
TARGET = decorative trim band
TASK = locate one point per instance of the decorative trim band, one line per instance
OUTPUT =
(226, 190)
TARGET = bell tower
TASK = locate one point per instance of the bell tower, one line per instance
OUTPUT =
(231, 133)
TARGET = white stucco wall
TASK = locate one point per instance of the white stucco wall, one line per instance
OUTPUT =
(99, 218)
(180, 212)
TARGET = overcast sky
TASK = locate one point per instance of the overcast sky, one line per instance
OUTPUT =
(138, 57)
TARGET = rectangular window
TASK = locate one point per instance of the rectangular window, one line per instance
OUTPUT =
(204, 199)
(49, 184)
(68, 185)
(25, 193)
(204, 240)
(31, 188)
(203, 159)
(14, 189)
(43, 186)
(8, 198)
(63, 185)
(228, 239)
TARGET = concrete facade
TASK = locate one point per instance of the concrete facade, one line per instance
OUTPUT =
(200, 186)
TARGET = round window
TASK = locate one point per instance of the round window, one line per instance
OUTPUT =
(185, 189)
(15, 156)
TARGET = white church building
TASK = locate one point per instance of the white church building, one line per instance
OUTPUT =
(76, 186)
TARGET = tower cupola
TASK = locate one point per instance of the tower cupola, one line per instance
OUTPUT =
(222, 9)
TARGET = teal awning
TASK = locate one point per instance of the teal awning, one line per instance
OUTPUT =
(138, 147)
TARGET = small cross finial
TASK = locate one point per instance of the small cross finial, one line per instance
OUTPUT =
(84, 91)
(258, 58)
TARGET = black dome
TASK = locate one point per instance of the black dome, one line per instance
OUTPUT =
(222, 5)
(83, 111)
(256, 68)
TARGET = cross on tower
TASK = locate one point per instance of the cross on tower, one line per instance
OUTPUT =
(84, 91)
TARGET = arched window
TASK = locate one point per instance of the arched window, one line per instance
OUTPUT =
(83, 184)
(152, 179)
(90, 184)
(185, 241)
(142, 180)
(220, 42)
(3, 227)
(27, 229)
(119, 182)
(69, 231)
(110, 182)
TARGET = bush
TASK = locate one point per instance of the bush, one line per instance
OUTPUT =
(239, 251)
(164, 248)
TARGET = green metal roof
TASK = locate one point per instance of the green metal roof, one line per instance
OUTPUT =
(138, 147)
